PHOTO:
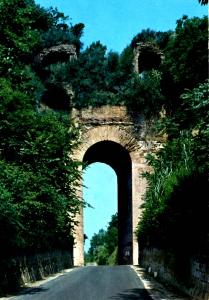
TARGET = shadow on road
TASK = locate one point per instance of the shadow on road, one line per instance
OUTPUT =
(32, 291)
(29, 291)
(133, 294)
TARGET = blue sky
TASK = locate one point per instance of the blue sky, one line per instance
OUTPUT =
(115, 23)
(100, 191)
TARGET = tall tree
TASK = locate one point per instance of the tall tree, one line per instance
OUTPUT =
(203, 2)
(103, 245)
(185, 64)
(38, 176)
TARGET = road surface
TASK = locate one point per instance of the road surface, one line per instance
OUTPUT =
(91, 283)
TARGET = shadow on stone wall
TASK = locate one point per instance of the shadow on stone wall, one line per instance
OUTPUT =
(189, 275)
(17, 272)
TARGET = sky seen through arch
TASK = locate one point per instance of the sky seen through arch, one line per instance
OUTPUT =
(100, 191)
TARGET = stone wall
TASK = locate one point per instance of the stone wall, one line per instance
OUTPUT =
(200, 277)
(162, 264)
(22, 270)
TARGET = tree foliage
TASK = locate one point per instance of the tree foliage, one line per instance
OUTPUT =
(38, 177)
(203, 2)
(185, 59)
(180, 177)
(98, 78)
(180, 169)
(104, 244)
(157, 38)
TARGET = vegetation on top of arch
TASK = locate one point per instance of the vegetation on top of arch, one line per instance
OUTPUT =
(99, 78)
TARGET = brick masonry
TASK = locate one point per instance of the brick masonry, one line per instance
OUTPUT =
(115, 124)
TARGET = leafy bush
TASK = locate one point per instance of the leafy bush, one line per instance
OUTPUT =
(180, 177)
(38, 177)
(185, 64)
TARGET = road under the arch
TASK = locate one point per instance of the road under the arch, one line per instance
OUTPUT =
(91, 283)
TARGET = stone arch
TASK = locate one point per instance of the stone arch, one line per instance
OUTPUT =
(117, 157)
(117, 134)
(113, 128)
(147, 56)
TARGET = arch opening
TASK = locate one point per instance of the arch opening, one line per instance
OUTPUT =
(100, 192)
(117, 157)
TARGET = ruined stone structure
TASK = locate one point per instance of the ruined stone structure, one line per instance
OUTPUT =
(147, 56)
(63, 52)
(109, 134)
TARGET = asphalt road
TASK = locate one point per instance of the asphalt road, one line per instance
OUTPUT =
(91, 283)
